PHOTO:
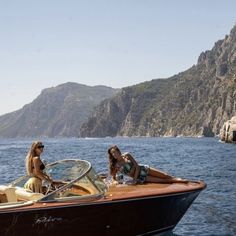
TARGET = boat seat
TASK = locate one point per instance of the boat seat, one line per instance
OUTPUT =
(23, 194)
(3, 198)
(9, 192)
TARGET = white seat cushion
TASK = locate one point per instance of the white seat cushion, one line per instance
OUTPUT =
(10, 193)
(24, 194)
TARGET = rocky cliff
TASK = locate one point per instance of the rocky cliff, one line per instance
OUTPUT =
(57, 111)
(195, 102)
(228, 131)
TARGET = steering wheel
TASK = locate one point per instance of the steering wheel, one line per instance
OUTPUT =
(50, 187)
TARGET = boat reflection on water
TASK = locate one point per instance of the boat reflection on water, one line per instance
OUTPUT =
(81, 203)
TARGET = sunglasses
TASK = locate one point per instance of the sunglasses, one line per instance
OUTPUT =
(42, 146)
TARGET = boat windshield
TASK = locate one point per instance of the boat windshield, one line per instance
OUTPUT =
(68, 170)
(73, 179)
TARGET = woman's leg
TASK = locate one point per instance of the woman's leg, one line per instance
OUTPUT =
(157, 173)
(153, 179)
(34, 184)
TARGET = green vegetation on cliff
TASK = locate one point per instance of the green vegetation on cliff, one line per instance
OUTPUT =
(195, 102)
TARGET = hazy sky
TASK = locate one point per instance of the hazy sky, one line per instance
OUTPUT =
(102, 42)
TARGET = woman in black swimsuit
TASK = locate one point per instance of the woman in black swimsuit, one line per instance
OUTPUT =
(35, 167)
(127, 165)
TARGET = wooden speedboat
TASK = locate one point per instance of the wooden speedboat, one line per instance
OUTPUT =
(80, 203)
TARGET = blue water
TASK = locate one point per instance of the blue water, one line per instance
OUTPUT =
(212, 213)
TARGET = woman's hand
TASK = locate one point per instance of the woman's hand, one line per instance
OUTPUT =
(115, 182)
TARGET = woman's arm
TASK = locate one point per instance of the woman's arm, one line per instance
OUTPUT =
(114, 180)
(114, 177)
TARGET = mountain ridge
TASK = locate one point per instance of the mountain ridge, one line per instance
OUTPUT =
(195, 102)
(57, 111)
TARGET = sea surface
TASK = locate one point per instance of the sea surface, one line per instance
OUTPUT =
(212, 213)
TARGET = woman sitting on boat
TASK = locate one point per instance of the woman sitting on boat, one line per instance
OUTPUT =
(127, 165)
(35, 167)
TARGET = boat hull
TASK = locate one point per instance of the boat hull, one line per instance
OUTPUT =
(137, 216)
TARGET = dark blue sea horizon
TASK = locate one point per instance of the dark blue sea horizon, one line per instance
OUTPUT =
(212, 213)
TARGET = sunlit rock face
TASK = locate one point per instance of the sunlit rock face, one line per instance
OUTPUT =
(228, 131)
(195, 102)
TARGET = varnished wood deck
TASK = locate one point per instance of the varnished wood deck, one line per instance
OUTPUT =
(137, 191)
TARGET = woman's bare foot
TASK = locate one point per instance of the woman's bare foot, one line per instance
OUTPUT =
(179, 180)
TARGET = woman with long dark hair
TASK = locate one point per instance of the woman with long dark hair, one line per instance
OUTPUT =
(127, 165)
